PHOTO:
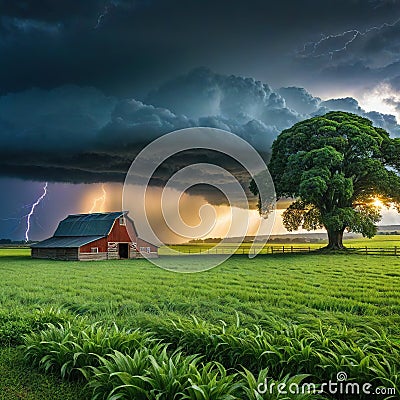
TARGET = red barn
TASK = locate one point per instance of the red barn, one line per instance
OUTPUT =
(97, 236)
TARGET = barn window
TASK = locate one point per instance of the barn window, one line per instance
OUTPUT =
(122, 221)
(145, 249)
(94, 250)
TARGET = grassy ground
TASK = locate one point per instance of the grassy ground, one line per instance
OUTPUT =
(356, 290)
(377, 241)
(18, 381)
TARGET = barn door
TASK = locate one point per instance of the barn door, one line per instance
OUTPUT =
(123, 250)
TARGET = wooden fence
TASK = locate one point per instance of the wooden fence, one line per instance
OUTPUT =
(381, 251)
(192, 250)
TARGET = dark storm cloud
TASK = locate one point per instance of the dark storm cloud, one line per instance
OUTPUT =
(29, 25)
(356, 56)
(212, 94)
(47, 10)
(129, 46)
(395, 82)
(299, 99)
(49, 44)
(385, 121)
(345, 104)
(376, 47)
(64, 119)
(228, 99)
(134, 122)
(393, 102)
(114, 52)
(77, 134)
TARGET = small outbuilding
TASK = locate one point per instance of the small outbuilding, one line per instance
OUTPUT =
(96, 236)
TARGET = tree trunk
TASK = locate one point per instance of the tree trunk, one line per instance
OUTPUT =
(335, 239)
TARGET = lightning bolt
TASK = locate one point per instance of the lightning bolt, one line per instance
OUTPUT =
(353, 33)
(116, 4)
(101, 199)
(102, 16)
(31, 212)
(105, 12)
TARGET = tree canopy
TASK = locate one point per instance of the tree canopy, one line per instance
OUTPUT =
(340, 170)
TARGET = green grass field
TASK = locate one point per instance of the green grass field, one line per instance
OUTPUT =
(344, 296)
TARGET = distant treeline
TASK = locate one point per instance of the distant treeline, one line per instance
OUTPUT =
(272, 239)
(9, 241)
(296, 240)
(208, 240)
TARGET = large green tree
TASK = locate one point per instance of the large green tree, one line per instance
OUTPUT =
(339, 169)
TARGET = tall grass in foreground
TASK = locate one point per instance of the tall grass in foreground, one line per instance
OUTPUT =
(192, 359)
(366, 355)
(65, 348)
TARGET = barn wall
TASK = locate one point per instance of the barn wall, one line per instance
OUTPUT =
(147, 248)
(92, 256)
(101, 244)
(55, 254)
(118, 234)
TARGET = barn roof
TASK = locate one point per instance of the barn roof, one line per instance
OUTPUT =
(79, 229)
(65, 242)
(96, 224)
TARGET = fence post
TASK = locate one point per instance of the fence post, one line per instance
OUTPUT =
(272, 249)
(309, 249)
(395, 250)
(366, 249)
(283, 249)
(291, 249)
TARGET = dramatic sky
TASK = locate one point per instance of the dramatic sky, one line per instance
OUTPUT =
(85, 84)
